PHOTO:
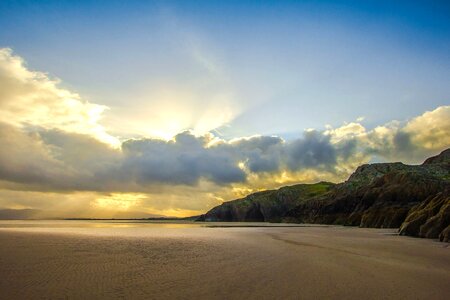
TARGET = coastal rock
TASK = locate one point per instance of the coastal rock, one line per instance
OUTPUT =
(445, 235)
(385, 202)
(430, 218)
(266, 206)
(414, 198)
(442, 158)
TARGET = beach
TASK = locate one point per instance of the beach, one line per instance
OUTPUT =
(117, 260)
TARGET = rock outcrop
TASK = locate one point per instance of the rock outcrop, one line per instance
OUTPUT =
(429, 219)
(384, 201)
(389, 195)
(266, 206)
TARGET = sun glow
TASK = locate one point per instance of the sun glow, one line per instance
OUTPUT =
(119, 201)
(171, 108)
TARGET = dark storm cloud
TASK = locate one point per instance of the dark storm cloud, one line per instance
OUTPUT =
(51, 159)
(314, 150)
(184, 160)
(397, 146)
(54, 159)
(260, 153)
(23, 158)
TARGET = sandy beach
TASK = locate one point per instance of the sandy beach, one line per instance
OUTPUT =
(79, 260)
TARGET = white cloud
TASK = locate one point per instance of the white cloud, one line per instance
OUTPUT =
(431, 130)
(51, 141)
(30, 98)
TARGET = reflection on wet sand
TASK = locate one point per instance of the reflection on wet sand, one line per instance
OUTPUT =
(163, 260)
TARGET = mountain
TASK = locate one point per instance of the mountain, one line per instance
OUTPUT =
(414, 198)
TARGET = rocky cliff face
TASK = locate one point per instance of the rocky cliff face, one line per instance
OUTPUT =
(391, 195)
(430, 218)
(442, 158)
(266, 206)
(384, 201)
(414, 198)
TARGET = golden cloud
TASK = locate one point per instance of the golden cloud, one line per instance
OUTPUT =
(31, 98)
(431, 130)
(53, 150)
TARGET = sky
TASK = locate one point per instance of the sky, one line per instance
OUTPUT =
(140, 108)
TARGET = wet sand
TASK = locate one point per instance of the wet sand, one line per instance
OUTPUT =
(184, 262)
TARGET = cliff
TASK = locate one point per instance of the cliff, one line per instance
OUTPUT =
(389, 195)
(266, 206)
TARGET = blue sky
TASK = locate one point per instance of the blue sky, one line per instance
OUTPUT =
(279, 66)
(172, 107)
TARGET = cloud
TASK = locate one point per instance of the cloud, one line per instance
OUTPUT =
(431, 129)
(24, 158)
(314, 150)
(413, 140)
(183, 160)
(54, 159)
(259, 153)
(51, 141)
(30, 98)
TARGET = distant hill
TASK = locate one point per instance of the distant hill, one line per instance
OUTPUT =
(24, 214)
(414, 198)
(18, 214)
